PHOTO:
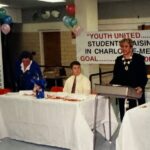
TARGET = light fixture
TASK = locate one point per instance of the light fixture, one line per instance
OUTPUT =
(52, 1)
(3, 5)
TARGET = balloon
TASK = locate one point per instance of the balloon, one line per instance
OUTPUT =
(2, 13)
(5, 28)
(55, 13)
(64, 18)
(45, 14)
(70, 9)
(73, 22)
(7, 20)
(67, 21)
(35, 15)
(77, 30)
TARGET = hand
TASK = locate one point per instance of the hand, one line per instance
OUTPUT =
(138, 90)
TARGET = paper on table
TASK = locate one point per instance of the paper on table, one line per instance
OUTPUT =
(66, 96)
(26, 92)
(77, 96)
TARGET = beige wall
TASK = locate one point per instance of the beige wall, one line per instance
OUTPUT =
(30, 40)
(68, 49)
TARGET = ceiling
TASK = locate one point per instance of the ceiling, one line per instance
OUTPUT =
(28, 3)
(36, 3)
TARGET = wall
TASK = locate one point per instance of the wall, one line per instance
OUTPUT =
(34, 15)
(68, 48)
(30, 40)
(133, 14)
(119, 24)
(125, 9)
(15, 13)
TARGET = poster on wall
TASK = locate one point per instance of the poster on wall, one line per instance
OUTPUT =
(1, 66)
(103, 47)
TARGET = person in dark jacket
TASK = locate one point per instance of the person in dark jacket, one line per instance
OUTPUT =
(26, 71)
(130, 70)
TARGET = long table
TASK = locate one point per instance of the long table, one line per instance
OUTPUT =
(134, 133)
(54, 122)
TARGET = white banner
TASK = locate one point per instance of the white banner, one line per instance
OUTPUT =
(103, 47)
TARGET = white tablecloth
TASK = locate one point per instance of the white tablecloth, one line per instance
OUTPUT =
(134, 133)
(53, 122)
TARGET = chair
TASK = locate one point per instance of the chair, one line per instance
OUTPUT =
(4, 91)
(56, 89)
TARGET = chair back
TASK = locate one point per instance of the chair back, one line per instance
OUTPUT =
(56, 89)
(4, 91)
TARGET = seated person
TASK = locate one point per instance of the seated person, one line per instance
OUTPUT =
(26, 70)
(77, 82)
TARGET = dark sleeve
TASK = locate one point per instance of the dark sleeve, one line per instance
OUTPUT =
(115, 79)
(142, 72)
(17, 70)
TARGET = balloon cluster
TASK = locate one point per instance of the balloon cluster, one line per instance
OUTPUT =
(5, 21)
(70, 21)
(45, 14)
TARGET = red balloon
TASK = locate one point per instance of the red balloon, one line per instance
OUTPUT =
(70, 9)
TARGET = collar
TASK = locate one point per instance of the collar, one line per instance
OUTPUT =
(78, 76)
(27, 68)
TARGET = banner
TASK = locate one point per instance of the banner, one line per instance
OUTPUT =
(103, 47)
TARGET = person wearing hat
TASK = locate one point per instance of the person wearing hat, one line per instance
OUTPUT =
(26, 70)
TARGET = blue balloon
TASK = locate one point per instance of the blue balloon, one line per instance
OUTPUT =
(2, 13)
(67, 21)
(64, 18)
(73, 22)
(7, 20)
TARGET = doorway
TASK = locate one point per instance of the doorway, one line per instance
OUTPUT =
(52, 48)
(52, 58)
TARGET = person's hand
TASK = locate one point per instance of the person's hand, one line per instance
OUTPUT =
(138, 90)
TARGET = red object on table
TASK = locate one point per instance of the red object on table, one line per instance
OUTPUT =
(4, 91)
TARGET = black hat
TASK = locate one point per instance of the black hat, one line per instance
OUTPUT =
(25, 54)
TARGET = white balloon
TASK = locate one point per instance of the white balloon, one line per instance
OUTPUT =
(55, 13)
(46, 14)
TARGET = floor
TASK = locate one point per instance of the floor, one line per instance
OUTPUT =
(9, 144)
